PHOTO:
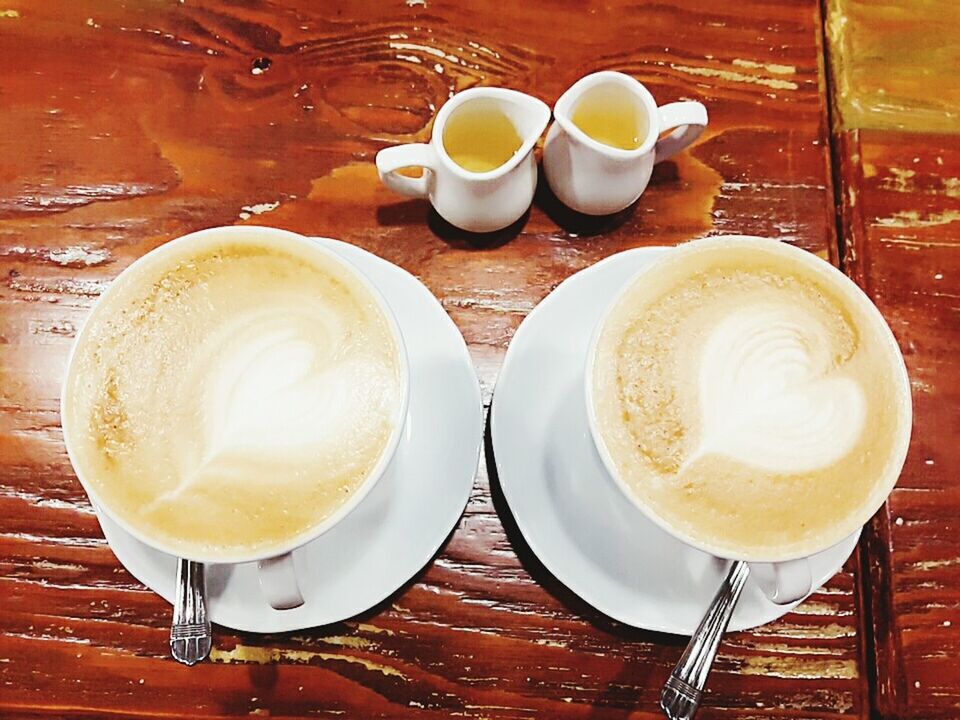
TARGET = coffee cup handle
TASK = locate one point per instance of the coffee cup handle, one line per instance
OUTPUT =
(392, 159)
(278, 582)
(783, 582)
(687, 119)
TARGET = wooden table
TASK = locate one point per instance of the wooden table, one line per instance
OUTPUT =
(125, 125)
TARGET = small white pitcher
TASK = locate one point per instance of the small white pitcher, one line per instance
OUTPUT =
(598, 179)
(474, 201)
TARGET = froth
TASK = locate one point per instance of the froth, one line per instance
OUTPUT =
(250, 389)
(772, 393)
(748, 403)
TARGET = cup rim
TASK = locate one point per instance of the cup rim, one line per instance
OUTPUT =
(237, 233)
(562, 108)
(854, 294)
(477, 93)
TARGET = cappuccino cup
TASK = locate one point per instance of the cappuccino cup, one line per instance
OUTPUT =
(750, 400)
(233, 395)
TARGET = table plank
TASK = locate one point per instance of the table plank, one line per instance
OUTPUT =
(903, 252)
(895, 96)
(126, 125)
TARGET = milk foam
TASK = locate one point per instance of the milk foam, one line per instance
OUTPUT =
(230, 400)
(282, 383)
(769, 394)
(749, 403)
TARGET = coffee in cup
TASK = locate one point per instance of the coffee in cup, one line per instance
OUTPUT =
(232, 392)
(750, 399)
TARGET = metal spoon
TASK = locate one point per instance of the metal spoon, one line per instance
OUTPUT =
(190, 631)
(684, 688)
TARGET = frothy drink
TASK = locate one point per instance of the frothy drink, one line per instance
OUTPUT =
(751, 398)
(229, 395)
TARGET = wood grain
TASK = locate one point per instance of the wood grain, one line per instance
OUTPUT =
(895, 94)
(903, 251)
(126, 125)
(894, 64)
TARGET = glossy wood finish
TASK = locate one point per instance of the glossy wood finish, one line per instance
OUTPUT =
(896, 92)
(125, 125)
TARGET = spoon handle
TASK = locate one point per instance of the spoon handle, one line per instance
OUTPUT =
(190, 632)
(684, 688)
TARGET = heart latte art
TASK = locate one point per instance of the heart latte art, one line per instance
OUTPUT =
(769, 395)
(233, 398)
(749, 402)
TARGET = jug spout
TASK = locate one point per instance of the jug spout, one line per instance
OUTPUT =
(528, 114)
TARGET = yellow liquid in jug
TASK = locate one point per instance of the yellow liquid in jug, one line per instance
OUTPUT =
(611, 116)
(479, 137)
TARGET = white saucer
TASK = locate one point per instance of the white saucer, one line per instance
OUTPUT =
(399, 526)
(569, 510)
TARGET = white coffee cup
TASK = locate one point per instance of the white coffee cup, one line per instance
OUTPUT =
(278, 578)
(598, 179)
(788, 579)
(474, 201)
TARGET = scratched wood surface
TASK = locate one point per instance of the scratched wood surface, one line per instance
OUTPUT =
(125, 125)
(896, 100)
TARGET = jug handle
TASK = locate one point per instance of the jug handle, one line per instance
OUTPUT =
(689, 118)
(392, 159)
